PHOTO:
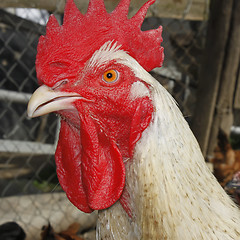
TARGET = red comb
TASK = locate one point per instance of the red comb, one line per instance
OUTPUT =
(81, 35)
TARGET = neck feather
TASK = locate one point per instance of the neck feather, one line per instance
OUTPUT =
(173, 194)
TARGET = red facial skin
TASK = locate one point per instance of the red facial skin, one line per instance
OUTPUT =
(97, 138)
(100, 134)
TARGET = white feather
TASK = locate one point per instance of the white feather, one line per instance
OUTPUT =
(104, 54)
(138, 89)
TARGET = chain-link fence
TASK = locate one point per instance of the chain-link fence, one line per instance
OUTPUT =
(29, 189)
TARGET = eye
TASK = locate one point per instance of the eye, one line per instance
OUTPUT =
(110, 76)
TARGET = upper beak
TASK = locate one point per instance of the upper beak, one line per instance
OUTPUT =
(45, 100)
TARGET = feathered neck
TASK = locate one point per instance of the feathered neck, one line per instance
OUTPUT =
(172, 192)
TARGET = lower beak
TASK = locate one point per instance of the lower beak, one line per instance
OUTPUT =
(45, 100)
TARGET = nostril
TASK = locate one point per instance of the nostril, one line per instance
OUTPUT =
(59, 84)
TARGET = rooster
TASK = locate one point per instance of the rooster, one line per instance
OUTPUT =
(124, 147)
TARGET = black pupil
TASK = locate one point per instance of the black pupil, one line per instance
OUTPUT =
(109, 75)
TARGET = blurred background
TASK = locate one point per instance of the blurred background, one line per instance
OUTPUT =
(201, 70)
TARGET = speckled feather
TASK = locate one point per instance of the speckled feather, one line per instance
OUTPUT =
(172, 191)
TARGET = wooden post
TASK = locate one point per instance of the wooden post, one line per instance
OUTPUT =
(223, 117)
(218, 74)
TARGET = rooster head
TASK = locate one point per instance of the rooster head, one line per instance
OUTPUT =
(87, 70)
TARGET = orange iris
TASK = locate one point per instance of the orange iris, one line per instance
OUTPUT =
(110, 76)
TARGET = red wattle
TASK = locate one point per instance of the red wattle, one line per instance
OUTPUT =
(89, 166)
(89, 159)
(103, 170)
(68, 161)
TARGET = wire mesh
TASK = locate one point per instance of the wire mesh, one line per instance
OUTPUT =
(29, 189)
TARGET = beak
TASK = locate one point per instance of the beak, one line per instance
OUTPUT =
(45, 100)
